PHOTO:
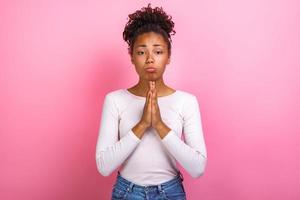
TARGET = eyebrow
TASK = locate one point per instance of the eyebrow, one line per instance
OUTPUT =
(143, 45)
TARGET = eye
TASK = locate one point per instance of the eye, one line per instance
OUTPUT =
(140, 52)
(159, 52)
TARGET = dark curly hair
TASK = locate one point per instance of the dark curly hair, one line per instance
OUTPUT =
(145, 20)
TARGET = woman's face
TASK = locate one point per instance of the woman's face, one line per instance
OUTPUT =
(150, 50)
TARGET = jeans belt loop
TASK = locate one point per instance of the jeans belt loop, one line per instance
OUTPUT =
(129, 189)
(160, 189)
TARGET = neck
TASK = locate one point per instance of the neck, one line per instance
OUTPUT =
(143, 86)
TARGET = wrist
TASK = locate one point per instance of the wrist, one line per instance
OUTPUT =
(162, 129)
(142, 124)
(139, 129)
(159, 125)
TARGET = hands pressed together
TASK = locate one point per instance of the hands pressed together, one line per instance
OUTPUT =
(151, 115)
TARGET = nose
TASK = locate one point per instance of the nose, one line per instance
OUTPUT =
(149, 58)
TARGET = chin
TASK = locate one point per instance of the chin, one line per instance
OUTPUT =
(152, 78)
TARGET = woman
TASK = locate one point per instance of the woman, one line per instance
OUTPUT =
(141, 126)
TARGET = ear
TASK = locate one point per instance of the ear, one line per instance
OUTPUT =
(131, 59)
(169, 60)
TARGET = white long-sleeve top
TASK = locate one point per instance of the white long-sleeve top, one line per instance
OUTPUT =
(150, 160)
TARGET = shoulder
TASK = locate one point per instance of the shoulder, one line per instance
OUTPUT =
(114, 94)
(111, 100)
(186, 96)
(119, 98)
(188, 101)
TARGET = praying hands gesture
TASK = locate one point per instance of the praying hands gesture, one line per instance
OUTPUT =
(151, 115)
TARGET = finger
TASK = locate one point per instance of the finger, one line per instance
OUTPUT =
(154, 95)
(150, 85)
(154, 102)
(153, 105)
(147, 97)
(150, 100)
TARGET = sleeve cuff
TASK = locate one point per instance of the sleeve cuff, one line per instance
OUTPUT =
(169, 136)
(133, 136)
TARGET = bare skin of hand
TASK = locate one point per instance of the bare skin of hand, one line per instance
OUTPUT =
(155, 112)
(151, 115)
(146, 117)
(145, 122)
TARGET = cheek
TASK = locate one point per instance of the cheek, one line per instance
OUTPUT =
(163, 60)
(139, 60)
(139, 67)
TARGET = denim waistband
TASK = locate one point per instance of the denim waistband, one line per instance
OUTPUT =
(129, 185)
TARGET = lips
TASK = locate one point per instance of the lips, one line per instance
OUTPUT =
(150, 69)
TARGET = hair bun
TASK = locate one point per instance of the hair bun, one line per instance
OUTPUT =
(148, 15)
(148, 19)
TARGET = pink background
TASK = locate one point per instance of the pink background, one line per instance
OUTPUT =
(59, 58)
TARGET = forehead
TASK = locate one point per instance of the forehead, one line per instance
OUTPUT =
(149, 39)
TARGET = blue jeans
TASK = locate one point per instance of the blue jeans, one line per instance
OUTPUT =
(170, 190)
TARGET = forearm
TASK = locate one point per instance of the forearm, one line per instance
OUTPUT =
(111, 157)
(162, 129)
(139, 129)
(191, 159)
